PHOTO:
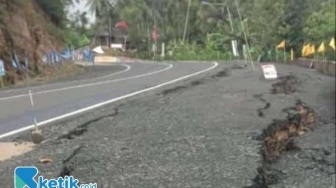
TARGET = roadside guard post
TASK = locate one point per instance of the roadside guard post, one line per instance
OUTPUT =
(269, 71)
(2, 73)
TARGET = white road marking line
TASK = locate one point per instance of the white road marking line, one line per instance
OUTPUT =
(54, 84)
(215, 64)
(90, 84)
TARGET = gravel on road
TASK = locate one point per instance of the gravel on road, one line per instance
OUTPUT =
(202, 132)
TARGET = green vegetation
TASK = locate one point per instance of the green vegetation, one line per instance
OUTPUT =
(75, 38)
(266, 23)
(208, 32)
(55, 10)
(73, 32)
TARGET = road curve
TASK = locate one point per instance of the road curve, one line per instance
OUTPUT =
(58, 101)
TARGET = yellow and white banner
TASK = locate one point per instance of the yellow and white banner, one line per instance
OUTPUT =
(105, 59)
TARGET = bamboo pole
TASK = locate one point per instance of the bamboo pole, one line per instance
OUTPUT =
(324, 62)
(31, 97)
(186, 22)
(1, 82)
(245, 36)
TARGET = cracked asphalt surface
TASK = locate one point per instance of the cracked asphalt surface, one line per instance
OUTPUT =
(53, 101)
(196, 133)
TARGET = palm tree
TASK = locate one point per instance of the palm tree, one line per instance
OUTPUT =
(83, 19)
(99, 7)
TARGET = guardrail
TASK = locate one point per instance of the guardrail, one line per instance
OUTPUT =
(325, 67)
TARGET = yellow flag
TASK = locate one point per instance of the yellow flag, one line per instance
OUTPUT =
(305, 50)
(332, 43)
(312, 49)
(321, 48)
(282, 44)
(292, 55)
(308, 50)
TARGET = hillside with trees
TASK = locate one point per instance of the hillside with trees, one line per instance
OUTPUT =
(191, 29)
(208, 25)
(31, 28)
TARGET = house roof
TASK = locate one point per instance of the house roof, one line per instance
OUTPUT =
(118, 33)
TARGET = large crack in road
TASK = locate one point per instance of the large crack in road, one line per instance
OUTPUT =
(278, 137)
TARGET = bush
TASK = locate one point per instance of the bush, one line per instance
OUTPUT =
(75, 39)
(54, 9)
(192, 51)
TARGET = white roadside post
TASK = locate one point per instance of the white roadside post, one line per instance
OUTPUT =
(234, 43)
(163, 50)
(245, 53)
(36, 135)
(154, 50)
(2, 73)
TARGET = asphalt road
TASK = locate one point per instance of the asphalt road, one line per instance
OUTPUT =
(197, 133)
(52, 101)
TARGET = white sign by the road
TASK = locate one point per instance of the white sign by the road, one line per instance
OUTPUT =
(163, 50)
(2, 68)
(245, 51)
(269, 71)
(235, 48)
(117, 46)
(98, 50)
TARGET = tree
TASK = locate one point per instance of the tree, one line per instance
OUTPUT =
(99, 7)
(54, 9)
(268, 21)
(320, 25)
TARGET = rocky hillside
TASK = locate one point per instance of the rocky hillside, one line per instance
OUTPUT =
(27, 30)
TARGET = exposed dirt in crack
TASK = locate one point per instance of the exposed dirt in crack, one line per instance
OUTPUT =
(173, 90)
(267, 175)
(196, 83)
(66, 168)
(277, 139)
(237, 66)
(260, 111)
(287, 85)
(83, 128)
(224, 73)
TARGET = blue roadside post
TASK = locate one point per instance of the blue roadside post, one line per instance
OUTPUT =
(2, 73)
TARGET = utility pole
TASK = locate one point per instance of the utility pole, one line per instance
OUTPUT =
(154, 29)
(231, 25)
(110, 32)
(233, 42)
(245, 36)
(186, 22)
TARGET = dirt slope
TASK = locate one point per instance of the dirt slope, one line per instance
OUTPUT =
(25, 29)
